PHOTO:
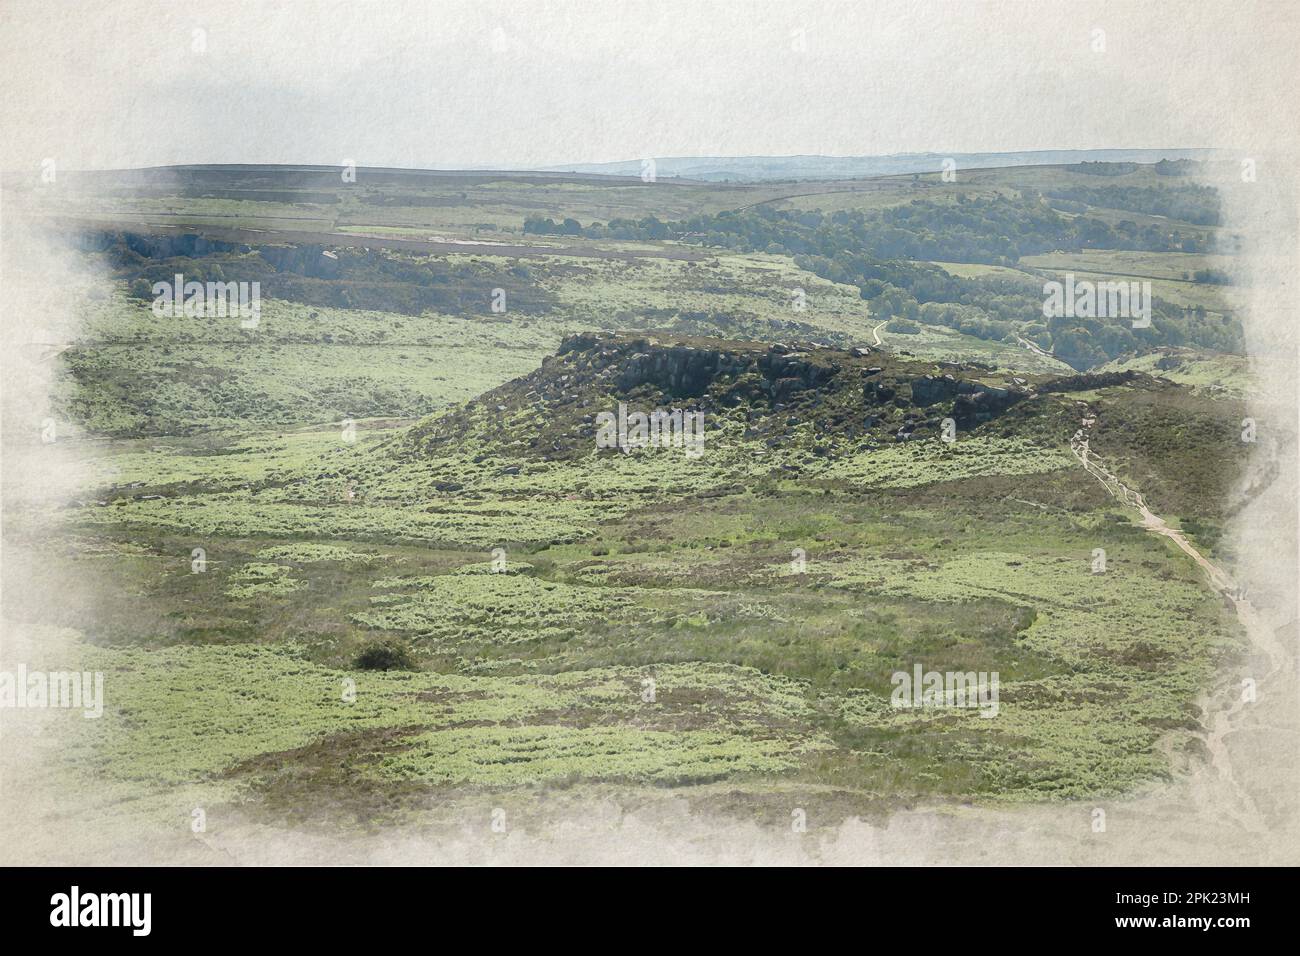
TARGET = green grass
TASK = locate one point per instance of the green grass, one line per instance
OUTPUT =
(974, 270)
(1170, 266)
(538, 756)
(235, 684)
(1220, 374)
(924, 462)
(130, 373)
(975, 560)
(1167, 273)
(201, 720)
(973, 556)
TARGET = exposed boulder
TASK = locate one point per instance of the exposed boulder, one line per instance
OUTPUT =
(1089, 381)
(977, 407)
(931, 389)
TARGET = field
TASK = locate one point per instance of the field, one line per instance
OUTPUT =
(1169, 274)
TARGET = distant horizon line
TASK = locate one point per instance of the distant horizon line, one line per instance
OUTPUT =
(574, 166)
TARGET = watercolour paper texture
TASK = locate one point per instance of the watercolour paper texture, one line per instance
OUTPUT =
(674, 433)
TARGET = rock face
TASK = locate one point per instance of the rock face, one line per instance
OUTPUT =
(973, 403)
(688, 371)
(931, 389)
(682, 371)
(1088, 381)
(795, 370)
(305, 260)
(977, 407)
(308, 261)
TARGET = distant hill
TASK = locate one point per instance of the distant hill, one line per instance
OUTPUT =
(1215, 372)
(761, 168)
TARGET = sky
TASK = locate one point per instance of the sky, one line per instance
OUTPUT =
(449, 84)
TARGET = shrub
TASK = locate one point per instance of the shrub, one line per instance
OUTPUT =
(390, 655)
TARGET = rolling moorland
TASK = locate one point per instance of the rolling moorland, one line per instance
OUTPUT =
(420, 587)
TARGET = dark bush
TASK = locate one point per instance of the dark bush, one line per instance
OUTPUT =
(385, 656)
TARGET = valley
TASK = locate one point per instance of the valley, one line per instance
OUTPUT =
(367, 562)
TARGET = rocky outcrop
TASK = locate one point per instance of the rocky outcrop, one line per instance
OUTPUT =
(932, 389)
(823, 401)
(688, 371)
(1087, 382)
(975, 407)
(973, 402)
(311, 261)
(681, 370)
(135, 245)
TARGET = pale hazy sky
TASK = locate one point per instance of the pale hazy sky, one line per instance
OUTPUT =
(442, 84)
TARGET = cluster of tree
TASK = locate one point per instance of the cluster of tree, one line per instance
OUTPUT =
(546, 226)
(345, 278)
(882, 253)
(649, 227)
(902, 326)
(994, 230)
(1198, 205)
(1085, 343)
(1008, 308)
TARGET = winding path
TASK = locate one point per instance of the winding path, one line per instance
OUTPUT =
(1221, 719)
(1036, 349)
